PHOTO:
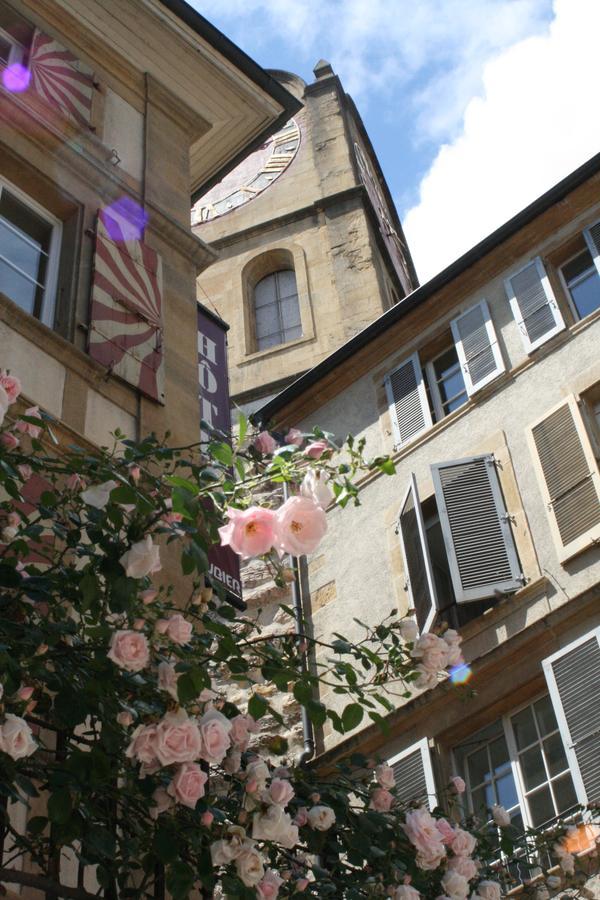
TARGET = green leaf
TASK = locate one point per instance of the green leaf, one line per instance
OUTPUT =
(352, 716)
(317, 712)
(242, 426)
(222, 453)
(257, 706)
(387, 467)
(123, 494)
(60, 806)
(303, 692)
(165, 845)
(180, 880)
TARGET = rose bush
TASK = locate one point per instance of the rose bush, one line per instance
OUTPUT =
(110, 722)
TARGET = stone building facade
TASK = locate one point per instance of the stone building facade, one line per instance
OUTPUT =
(484, 387)
(311, 248)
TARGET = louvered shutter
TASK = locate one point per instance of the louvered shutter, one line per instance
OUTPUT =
(569, 477)
(60, 79)
(573, 676)
(417, 564)
(407, 398)
(592, 238)
(413, 773)
(126, 306)
(477, 347)
(534, 305)
(476, 528)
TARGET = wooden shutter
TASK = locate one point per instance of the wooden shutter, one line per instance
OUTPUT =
(477, 347)
(417, 564)
(592, 238)
(476, 528)
(413, 772)
(126, 306)
(407, 398)
(60, 79)
(569, 477)
(534, 305)
(573, 676)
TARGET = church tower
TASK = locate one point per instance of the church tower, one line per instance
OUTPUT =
(311, 249)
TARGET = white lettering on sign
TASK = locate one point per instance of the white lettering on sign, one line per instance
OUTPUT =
(225, 578)
(207, 351)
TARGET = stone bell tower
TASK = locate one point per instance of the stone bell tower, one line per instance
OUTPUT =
(311, 247)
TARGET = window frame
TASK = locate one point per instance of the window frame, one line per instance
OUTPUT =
(432, 381)
(17, 50)
(277, 304)
(48, 305)
(565, 284)
(413, 489)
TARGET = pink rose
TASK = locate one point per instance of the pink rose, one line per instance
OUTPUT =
(149, 596)
(250, 532)
(464, 843)
(489, 890)
(301, 885)
(134, 473)
(179, 629)
(25, 471)
(457, 784)
(187, 786)
(446, 830)
(281, 791)
(241, 729)
(4, 404)
(162, 802)
(464, 865)
(27, 427)
(430, 859)
(265, 443)
(268, 887)
(381, 800)
(385, 776)
(422, 831)
(9, 441)
(11, 385)
(314, 486)
(274, 824)
(316, 449)
(405, 892)
(214, 730)
(453, 640)
(142, 558)
(143, 745)
(250, 865)
(302, 525)
(16, 737)
(98, 495)
(75, 482)
(167, 679)
(25, 692)
(129, 650)
(294, 436)
(455, 886)
(301, 817)
(233, 762)
(124, 718)
(161, 625)
(432, 652)
(207, 818)
(321, 818)
(178, 739)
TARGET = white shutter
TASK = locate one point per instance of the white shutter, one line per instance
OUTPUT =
(413, 773)
(592, 238)
(407, 398)
(417, 564)
(573, 676)
(476, 528)
(477, 347)
(569, 477)
(534, 305)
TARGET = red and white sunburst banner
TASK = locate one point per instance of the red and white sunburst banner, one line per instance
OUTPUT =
(126, 306)
(60, 79)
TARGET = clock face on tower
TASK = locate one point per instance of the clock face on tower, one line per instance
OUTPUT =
(251, 177)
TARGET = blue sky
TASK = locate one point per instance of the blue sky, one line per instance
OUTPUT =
(474, 107)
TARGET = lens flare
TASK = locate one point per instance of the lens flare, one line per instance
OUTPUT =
(581, 838)
(125, 220)
(16, 78)
(460, 674)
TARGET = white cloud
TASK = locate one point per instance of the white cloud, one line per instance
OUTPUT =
(536, 121)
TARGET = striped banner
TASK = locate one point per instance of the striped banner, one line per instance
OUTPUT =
(60, 79)
(126, 306)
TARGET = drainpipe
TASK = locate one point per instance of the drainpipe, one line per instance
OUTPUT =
(307, 727)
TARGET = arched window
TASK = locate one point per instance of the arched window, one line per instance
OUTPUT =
(276, 309)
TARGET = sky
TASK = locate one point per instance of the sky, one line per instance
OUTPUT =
(474, 107)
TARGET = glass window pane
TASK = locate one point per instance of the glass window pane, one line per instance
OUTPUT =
(564, 793)
(532, 767)
(264, 292)
(290, 312)
(506, 791)
(479, 768)
(286, 283)
(586, 294)
(556, 759)
(499, 754)
(444, 364)
(544, 713)
(482, 802)
(292, 334)
(5, 48)
(577, 266)
(541, 807)
(271, 340)
(524, 728)
(24, 292)
(35, 232)
(267, 320)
